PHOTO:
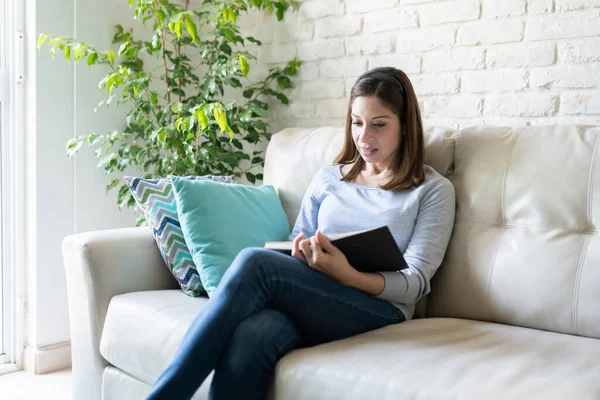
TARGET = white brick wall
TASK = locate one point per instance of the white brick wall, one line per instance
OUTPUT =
(503, 62)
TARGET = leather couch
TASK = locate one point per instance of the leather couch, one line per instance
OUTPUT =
(514, 311)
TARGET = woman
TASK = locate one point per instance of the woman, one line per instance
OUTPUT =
(268, 304)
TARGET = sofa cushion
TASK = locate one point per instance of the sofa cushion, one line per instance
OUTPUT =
(434, 358)
(119, 385)
(440, 359)
(525, 249)
(143, 330)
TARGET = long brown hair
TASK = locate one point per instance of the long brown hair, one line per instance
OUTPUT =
(393, 88)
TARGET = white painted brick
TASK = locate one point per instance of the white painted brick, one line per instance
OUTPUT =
(505, 121)
(338, 26)
(495, 31)
(389, 20)
(308, 71)
(440, 120)
(449, 11)
(362, 6)
(521, 105)
(409, 63)
(566, 5)
(493, 81)
(570, 76)
(246, 21)
(330, 122)
(276, 54)
(584, 51)
(294, 31)
(258, 70)
(540, 6)
(425, 39)
(521, 55)
(370, 44)
(296, 109)
(568, 120)
(332, 108)
(320, 8)
(311, 51)
(580, 103)
(559, 25)
(454, 106)
(263, 27)
(321, 89)
(428, 84)
(502, 8)
(343, 68)
(465, 72)
(454, 60)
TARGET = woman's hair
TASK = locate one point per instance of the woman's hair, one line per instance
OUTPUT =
(393, 88)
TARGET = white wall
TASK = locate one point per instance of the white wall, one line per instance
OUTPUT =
(513, 62)
(64, 196)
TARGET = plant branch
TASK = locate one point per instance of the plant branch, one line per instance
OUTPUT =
(178, 51)
(164, 55)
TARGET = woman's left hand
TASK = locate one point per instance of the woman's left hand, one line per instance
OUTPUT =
(328, 259)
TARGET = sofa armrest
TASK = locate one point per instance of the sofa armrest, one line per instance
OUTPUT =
(98, 266)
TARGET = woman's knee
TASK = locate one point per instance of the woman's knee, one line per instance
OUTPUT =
(248, 261)
(260, 340)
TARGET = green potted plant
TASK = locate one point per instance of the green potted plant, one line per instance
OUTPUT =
(178, 122)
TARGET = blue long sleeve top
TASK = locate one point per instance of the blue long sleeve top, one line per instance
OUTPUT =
(420, 218)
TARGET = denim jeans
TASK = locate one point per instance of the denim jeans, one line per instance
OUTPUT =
(266, 305)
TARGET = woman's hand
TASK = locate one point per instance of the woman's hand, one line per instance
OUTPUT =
(296, 252)
(321, 255)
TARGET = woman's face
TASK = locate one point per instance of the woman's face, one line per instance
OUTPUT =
(375, 130)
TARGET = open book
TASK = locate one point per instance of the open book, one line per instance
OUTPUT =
(370, 250)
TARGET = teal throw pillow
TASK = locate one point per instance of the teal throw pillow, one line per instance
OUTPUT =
(219, 220)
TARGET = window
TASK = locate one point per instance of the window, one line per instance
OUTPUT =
(12, 179)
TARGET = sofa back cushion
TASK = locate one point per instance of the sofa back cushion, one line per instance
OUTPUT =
(525, 249)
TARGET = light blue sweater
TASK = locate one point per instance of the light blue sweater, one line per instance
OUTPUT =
(420, 218)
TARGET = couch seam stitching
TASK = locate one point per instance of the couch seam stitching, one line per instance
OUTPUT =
(575, 321)
(506, 174)
(590, 183)
(585, 232)
(491, 274)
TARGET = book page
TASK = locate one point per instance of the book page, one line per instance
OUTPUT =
(288, 245)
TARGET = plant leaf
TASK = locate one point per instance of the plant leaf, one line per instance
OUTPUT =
(220, 117)
(41, 40)
(179, 29)
(191, 28)
(92, 58)
(67, 52)
(244, 67)
(113, 182)
(200, 116)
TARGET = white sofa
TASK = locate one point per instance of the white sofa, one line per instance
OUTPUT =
(514, 311)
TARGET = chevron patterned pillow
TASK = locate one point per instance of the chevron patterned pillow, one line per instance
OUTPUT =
(157, 200)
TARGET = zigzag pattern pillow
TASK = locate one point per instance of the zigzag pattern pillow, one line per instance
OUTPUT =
(156, 198)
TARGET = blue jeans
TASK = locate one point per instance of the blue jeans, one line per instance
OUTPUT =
(266, 305)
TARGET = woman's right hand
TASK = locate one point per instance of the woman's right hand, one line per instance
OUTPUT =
(296, 252)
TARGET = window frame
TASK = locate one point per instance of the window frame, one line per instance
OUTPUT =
(12, 183)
